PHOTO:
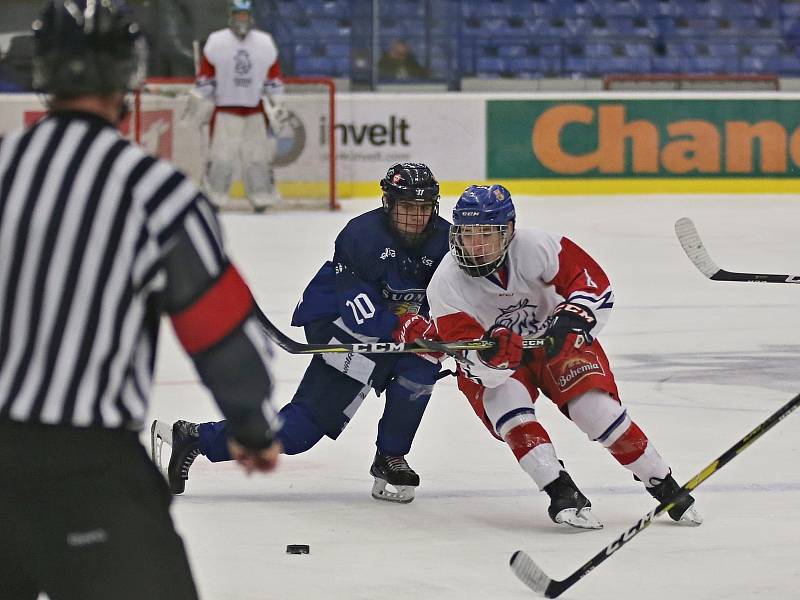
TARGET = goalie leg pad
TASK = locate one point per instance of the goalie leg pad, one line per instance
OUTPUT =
(258, 151)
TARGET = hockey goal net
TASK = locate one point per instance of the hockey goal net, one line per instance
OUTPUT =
(690, 82)
(305, 165)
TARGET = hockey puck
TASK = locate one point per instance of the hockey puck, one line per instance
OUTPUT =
(298, 549)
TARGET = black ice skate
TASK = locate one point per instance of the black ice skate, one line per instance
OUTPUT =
(184, 442)
(394, 471)
(568, 505)
(684, 511)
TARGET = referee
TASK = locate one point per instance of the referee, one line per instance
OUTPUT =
(97, 240)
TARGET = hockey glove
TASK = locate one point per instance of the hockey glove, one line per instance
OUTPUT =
(507, 350)
(569, 318)
(410, 328)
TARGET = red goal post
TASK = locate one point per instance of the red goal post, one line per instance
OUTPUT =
(305, 165)
(642, 82)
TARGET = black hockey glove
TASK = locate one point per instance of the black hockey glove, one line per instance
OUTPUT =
(568, 318)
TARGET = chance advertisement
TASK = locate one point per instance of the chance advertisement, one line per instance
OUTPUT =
(643, 138)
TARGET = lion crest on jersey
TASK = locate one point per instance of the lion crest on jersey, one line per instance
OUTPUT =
(520, 317)
(242, 62)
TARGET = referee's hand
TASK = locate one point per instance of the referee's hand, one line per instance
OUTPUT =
(262, 461)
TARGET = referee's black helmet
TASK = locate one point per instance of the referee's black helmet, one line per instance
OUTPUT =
(87, 47)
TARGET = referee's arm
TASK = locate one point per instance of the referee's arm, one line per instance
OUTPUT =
(214, 315)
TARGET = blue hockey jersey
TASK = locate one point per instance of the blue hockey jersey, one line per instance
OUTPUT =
(373, 278)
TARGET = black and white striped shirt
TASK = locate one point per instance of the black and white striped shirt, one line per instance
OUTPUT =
(87, 221)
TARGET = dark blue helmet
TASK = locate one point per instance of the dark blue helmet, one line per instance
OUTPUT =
(413, 185)
(480, 234)
(484, 205)
(87, 47)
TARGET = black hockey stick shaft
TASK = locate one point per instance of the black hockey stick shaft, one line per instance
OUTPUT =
(532, 575)
(697, 253)
(450, 348)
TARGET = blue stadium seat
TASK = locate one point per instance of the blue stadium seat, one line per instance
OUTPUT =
(790, 8)
(290, 9)
(616, 64)
(550, 50)
(638, 49)
(620, 8)
(338, 50)
(547, 27)
(668, 64)
(575, 64)
(764, 48)
(333, 8)
(723, 48)
(535, 64)
(598, 49)
(490, 64)
(315, 66)
(302, 49)
(665, 8)
(711, 8)
(578, 8)
(493, 8)
(713, 64)
(513, 50)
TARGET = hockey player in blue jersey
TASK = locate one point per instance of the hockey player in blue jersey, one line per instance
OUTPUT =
(373, 289)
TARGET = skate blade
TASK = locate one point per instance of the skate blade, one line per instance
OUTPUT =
(403, 494)
(160, 433)
(691, 518)
(583, 519)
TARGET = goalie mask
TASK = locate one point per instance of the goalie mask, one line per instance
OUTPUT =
(87, 47)
(411, 201)
(480, 234)
(240, 17)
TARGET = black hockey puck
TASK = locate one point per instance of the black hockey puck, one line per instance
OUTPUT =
(298, 549)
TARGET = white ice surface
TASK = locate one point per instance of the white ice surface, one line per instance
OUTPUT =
(699, 364)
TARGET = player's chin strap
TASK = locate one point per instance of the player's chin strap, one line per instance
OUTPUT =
(453, 349)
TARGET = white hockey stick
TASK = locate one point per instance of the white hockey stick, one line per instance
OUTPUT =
(697, 253)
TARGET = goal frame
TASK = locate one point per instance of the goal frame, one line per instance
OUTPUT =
(328, 83)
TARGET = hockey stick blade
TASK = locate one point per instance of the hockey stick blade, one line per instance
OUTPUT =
(697, 253)
(536, 579)
(449, 348)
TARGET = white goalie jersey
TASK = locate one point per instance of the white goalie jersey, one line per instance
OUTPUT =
(234, 72)
(541, 270)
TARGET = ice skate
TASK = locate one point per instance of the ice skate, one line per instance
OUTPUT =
(568, 506)
(184, 443)
(684, 511)
(393, 471)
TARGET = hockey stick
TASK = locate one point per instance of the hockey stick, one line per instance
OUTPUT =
(536, 579)
(697, 253)
(449, 348)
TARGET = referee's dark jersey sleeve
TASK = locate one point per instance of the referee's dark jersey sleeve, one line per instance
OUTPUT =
(97, 240)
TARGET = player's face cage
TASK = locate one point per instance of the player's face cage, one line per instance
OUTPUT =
(240, 21)
(479, 249)
(411, 218)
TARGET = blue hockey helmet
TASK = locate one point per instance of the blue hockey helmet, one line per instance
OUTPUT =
(240, 27)
(414, 186)
(480, 234)
(87, 47)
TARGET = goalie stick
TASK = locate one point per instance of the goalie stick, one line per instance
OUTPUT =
(697, 253)
(536, 579)
(422, 347)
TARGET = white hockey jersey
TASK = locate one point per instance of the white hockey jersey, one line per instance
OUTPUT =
(233, 71)
(541, 271)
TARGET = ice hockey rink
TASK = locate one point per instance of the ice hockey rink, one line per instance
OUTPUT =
(699, 364)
